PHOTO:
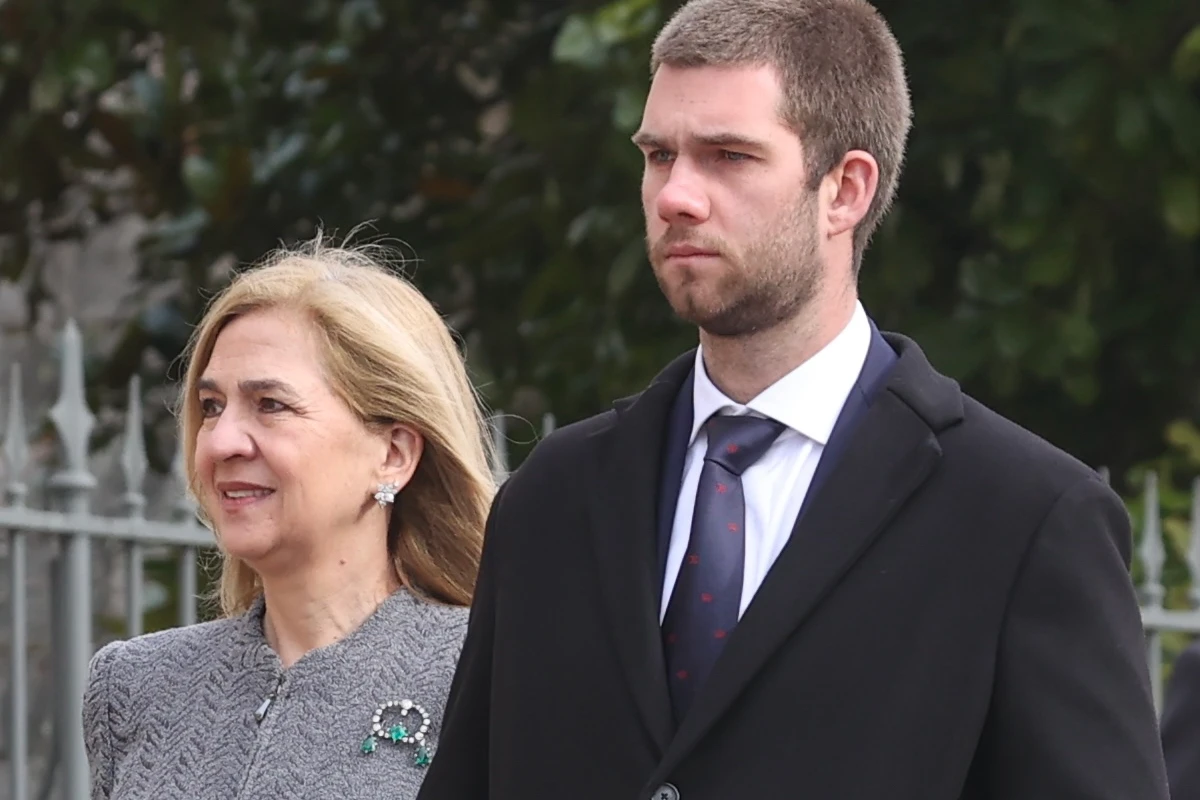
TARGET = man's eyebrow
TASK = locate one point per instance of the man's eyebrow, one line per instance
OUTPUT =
(716, 139)
(647, 140)
(250, 386)
(723, 139)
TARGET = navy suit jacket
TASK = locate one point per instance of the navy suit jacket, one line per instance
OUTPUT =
(875, 369)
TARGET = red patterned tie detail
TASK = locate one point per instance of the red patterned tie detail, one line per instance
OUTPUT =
(703, 610)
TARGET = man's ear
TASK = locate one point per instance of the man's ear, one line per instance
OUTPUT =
(850, 187)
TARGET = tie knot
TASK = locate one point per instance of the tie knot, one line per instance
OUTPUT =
(737, 442)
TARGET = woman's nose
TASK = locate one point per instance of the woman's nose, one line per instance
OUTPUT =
(228, 437)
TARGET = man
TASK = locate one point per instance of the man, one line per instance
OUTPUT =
(801, 563)
(1181, 724)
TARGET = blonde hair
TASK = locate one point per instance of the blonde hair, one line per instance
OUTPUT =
(391, 358)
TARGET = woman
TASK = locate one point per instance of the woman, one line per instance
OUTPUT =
(337, 449)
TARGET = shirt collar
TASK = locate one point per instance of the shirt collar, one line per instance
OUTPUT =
(808, 399)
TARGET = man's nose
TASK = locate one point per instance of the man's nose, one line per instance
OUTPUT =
(683, 198)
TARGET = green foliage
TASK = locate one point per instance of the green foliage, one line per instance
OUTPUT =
(1043, 248)
(1051, 188)
(238, 125)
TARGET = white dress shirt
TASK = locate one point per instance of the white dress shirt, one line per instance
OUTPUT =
(808, 400)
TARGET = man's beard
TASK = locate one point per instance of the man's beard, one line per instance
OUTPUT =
(775, 278)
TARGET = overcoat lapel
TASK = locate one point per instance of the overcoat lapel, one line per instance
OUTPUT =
(624, 519)
(886, 458)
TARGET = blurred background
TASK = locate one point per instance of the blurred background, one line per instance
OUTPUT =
(1043, 249)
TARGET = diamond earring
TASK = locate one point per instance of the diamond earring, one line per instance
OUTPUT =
(386, 493)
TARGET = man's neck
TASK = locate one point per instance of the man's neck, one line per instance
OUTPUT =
(744, 366)
(308, 609)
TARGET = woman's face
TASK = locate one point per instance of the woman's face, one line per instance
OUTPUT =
(286, 470)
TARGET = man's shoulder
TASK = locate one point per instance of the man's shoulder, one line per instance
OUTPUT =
(975, 439)
(1011, 455)
(566, 447)
(579, 443)
(558, 467)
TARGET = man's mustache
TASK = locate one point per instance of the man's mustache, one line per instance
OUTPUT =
(675, 236)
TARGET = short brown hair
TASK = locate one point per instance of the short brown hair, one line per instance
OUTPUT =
(840, 68)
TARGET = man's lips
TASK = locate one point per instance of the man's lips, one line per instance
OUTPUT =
(687, 251)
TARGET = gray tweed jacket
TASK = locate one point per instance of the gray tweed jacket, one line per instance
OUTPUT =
(207, 711)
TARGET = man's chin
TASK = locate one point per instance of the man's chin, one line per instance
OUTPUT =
(714, 320)
(698, 303)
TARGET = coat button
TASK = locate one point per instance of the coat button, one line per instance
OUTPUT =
(665, 792)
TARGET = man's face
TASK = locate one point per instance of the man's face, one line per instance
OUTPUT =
(731, 227)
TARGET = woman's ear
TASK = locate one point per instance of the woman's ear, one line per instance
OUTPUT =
(405, 446)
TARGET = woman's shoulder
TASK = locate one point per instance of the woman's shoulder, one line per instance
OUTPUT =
(188, 643)
(435, 629)
(436, 621)
(166, 655)
(438, 614)
(128, 677)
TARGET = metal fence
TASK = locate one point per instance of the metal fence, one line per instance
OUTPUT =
(1165, 620)
(69, 523)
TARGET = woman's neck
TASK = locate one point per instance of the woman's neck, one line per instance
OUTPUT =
(305, 612)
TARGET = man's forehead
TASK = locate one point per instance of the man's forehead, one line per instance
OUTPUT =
(710, 101)
(756, 82)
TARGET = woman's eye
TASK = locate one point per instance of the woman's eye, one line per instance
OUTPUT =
(271, 405)
(209, 407)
